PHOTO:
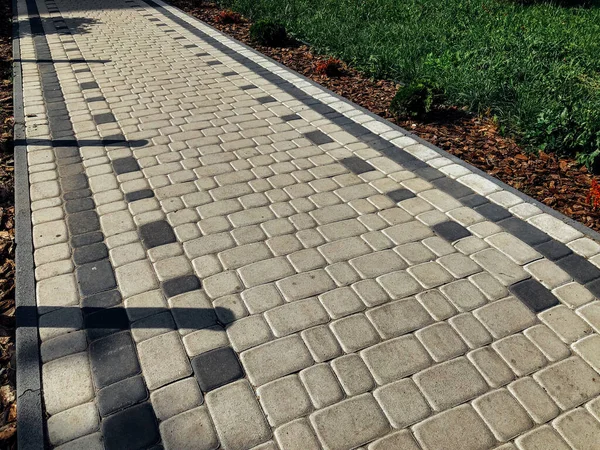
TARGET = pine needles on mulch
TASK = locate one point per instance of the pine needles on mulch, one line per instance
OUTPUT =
(560, 183)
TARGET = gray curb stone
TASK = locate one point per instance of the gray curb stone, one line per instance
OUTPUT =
(30, 430)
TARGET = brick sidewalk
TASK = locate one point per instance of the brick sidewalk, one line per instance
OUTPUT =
(229, 256)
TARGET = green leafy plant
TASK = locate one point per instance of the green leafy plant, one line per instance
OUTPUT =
(569, 129)
(415, 99)
(268, 32)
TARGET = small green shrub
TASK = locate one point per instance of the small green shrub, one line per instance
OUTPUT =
(570, 130)
(268, 32)
(415, 99)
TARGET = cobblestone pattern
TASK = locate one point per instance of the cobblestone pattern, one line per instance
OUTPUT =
(231, 256)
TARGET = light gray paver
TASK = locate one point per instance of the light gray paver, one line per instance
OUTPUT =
(189, 430)
(354, 333)
(402, 403)
(353, 374)
(534, 399)
(237, 416)
(503, 414)
(176, 398)
(90, 442)
(168, 349)
(284, 399)
(541, 438)
(460, 427)
(450, 383)
(297, 435)
(579, 429)
(401, 439)
(73, 423)
(296, 316)
(570, 382)
(398, 318)
(520, 354)
(321, 385)
(275, 359)
(505, 317)
(350, 423)
(321, 343)
(67, 382)
(495, 371)
(395, 359)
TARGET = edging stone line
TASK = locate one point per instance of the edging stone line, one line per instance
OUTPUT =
(30, 423)
(546, 209)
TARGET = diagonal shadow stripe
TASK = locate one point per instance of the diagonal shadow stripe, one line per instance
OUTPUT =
(108, 142)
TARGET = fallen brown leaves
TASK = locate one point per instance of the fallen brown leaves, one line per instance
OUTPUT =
(557, 182)
(8, 404)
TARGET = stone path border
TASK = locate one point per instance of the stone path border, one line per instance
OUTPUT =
(30, 426)
(547, 233)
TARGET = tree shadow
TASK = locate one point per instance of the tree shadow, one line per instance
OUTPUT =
(100, 321)
(62, 61)
(114, 141)
(70, 25)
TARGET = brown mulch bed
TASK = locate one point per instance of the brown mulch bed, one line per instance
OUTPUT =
(8, 406)
(560, 183)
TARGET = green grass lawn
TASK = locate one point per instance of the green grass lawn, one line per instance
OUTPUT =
(536, 67)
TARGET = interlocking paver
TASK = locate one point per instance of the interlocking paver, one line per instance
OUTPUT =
(400, 317)
(409, 357)
(241, 224)
(570, 382)
(503, 414)
(322, 385)
(176, 398)
(450, 383)
(237, 416)
(168, 349)
(192, 429)
(402, 403)
(73, 423)
(350, 423)
(460, 427)
(534, 399)
(284, 399)
(70, 373)
(275, 359)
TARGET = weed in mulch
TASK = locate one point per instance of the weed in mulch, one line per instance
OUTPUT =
(268, 32)
(416, 99)
(331, 67)
(593, 197)
(228, 17)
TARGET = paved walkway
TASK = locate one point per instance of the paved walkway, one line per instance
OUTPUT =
(229, 256)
